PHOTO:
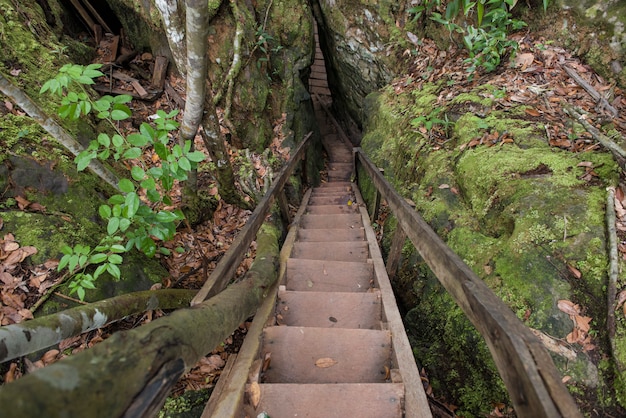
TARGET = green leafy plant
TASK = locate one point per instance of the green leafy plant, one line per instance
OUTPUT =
(486, 40)
(432, 119)
(131, 222)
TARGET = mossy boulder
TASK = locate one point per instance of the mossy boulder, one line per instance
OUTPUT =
(521, 214)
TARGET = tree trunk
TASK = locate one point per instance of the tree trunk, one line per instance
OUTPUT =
(131, 373)
(53, 128)
(171, 14)
(17, 340)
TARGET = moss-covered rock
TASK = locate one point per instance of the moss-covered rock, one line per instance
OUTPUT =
(517, 213)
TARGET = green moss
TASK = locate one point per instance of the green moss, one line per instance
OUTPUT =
(515, 213)
(189, 405)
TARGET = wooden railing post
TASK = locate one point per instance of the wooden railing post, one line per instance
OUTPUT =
(533, 382)
(395, 252)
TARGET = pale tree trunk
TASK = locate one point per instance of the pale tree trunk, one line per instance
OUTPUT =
(53, 128)
(171, 13)
(17, 340)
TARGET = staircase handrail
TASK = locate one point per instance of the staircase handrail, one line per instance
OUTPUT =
(524, 364)
(226, 267)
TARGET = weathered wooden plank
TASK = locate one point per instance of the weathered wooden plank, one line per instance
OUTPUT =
(416, 403)
(228, 400)
(529, 375)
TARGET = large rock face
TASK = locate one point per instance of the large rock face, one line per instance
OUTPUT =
(355, 36)
(597, 32)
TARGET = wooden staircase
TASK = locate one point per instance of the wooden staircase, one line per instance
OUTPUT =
(330, 343)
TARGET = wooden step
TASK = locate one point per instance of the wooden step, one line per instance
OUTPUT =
(335, 184)
(347, 221)
(332, 187)
(330, 309)
(332, 209)
(330, 235)
(361, 400)
(298, 355)
(331, 251)
(328, 276)
(330, 200)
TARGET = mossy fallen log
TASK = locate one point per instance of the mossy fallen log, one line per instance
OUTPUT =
(17, 340)
(131, 373)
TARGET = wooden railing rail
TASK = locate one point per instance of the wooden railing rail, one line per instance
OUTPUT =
(525, 366)
(225, 269)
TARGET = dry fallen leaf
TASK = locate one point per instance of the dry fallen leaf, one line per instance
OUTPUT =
(524, 60)
(568, 307)
(325, 362)
(254, 391)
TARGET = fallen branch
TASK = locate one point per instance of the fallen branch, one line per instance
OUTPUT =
(53, 128)
(604, 104)
(17, 340)
(606, 142)
(131, 373)
(613, 265)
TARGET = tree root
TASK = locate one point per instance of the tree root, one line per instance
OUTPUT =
(613, 265)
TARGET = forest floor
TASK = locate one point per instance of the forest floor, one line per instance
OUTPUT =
(537, 79)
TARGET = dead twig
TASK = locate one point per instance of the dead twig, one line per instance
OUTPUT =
(617, 151)
(604, 104)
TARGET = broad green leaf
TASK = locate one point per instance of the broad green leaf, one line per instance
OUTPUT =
(88, 282)
(85, 80)
(83, 159)
(102, 105)
(67, 250)
(117, 248)
(195, 156)
(117, 140)
(104, 211)
(137, 140)
(124, 224)
(126, 186)
(148, 183)
(116, 199)
(104, 154)
(101, 269)
(177, 151)
(80, 292)
(184, 164)
(113, 225)
(73, 262)
(115, 259)
(153, 195)
(137, 173)
(122, 98)
(104, 140)
(155, 172)
(147, 130)
(132, 204)
(114, 270)
(72, 96)
(165, 216)
(161, 150)
(92, 73)
(63, 262)
(117, 210)
(132, 153)
(164, 251)
(82, 260)
(97, 258)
